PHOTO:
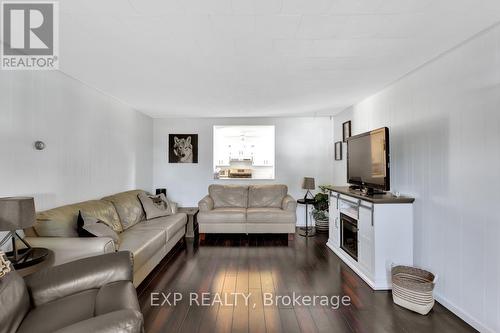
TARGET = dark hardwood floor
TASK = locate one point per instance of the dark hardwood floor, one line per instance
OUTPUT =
(271, 264)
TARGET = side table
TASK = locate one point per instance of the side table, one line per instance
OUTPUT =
(192, 224)
(308, 231)
(32, 266)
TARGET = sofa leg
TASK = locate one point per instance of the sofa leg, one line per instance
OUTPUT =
(202, 236)
(291, 237)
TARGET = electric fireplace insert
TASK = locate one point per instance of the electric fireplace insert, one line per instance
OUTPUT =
(349, 235)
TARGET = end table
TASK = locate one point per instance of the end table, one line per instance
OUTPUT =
(39, 259)
(308, 231)
(192, 225)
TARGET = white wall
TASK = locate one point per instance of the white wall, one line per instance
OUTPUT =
(95, 144)
(444, 125)
(303, 148)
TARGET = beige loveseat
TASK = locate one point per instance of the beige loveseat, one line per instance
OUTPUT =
(148, 240)
(247, 209)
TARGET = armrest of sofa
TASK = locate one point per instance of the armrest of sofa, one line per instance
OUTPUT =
(206, 204)
(80, 275)
(129, 321)
(289, 203)
(68, 249)
(174, 207)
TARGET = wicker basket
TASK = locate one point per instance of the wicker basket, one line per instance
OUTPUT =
(412, 288)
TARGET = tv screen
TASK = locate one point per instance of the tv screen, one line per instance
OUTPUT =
(368, 159)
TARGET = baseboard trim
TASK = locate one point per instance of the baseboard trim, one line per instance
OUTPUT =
(462, 314)
(442, 300)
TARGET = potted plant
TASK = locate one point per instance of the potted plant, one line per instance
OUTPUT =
(320, 211)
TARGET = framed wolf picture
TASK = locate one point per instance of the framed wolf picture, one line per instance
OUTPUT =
(183, 148)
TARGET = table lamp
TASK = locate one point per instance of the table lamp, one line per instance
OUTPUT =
(16, 213)
(308, 184)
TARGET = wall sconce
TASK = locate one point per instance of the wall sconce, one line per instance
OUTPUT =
(39, 145)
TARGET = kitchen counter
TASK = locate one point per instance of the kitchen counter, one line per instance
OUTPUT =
(234, 178)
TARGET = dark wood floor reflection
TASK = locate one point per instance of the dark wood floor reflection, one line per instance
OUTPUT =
(270, 264)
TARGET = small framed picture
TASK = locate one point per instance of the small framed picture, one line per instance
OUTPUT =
(183, 148)
(338, 151)
(346, 130)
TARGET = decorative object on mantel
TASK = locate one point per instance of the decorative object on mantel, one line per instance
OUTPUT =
(338, 151)
(412, 288)
(308, 184)
(19, 213)
(183, 148)
(346, 130)
(320, 211)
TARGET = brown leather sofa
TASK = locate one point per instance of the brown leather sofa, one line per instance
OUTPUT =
(88, 295)
(148, 240)
(247, 209)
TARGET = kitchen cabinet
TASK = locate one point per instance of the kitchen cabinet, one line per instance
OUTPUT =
(263, 154)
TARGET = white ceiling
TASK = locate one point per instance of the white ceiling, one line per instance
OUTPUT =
(257, 57)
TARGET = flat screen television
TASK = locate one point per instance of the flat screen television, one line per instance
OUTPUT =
(368, 160)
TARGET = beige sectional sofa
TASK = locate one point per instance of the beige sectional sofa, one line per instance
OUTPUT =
(148, 240)
(247, 209)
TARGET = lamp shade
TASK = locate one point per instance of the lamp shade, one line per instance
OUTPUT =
(16, 213)
(308, 183)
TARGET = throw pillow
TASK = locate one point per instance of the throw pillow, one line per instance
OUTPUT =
(155, 205)
(80, 223)
(89, 226)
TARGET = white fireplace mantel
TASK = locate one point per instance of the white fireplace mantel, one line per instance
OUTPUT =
(385, 233)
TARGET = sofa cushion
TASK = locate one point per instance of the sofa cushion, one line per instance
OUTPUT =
(223, 215)
(229, 195)
(128, 207)
(270, 215)
(61, 221)
(142, 243)
(171, 224)
(60, 313)
(266, 195)
(174, 224)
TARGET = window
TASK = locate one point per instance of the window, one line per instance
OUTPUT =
(244, 152)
